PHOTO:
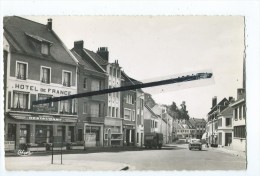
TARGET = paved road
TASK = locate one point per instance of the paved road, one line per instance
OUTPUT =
(174, 157)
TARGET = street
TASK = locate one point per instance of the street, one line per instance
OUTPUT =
(171, 157)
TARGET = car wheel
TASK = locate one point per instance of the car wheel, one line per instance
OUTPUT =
(199, 148)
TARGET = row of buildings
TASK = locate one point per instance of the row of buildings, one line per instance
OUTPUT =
(37, 66)
(226, 122)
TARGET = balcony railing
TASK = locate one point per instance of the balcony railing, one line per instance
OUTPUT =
(96, 118)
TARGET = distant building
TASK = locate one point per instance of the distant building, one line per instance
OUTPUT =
(37, 66)
(239, 121)
(151, 121)
(199, 125)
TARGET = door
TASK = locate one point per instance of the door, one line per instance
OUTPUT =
(228, 139)
(109, 137)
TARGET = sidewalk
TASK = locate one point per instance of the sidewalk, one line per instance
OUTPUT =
(87, 150)
(229, 150)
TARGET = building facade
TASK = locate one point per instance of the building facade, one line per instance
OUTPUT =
(151, 121)
(199, 125)
(225, 128)
(239, 121)
(91, 110)
(37, 66)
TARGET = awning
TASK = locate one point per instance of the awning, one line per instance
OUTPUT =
(205, 135)
(38, 117)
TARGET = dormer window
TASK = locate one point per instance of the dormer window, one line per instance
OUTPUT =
(45, 49)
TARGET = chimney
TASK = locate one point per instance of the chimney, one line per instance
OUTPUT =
(103, 53)
(49, 24)
(240, 93)
(230, 99)
(78, 45)
(214, 101)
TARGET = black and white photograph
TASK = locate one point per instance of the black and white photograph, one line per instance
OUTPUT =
(126, 93)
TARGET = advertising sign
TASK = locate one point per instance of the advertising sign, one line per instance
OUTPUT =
(9, 145)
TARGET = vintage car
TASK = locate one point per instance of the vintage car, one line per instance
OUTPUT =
(195, 144)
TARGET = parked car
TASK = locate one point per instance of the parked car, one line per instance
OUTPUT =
(195, 144)
(153, 140)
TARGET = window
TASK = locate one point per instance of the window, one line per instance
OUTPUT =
(118, 73)
(244, 111)
(45, 75)
(113, 111)
(116, 112)
(127, 114)
(95, 85)
(114, 72)
(95, 109)
(133, 115)
(85, 83)
(240, 112)
(44, 97)
(21, 71)
(66, 79)
(110, 70)
(220, 122)
(240, 131)
(235, 114)
(20, 100)
(45, 48)
(109, 111)
(228, 122)
(129, 99)
(84, 108)
(65, 106)
(156, 124)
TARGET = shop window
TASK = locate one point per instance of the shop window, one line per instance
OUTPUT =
(43, 134)
(11, 133)
(66, 79)
(24, 134)
(20, 100)
(127, 114)
(45, 75)
(240, 131)
(21, 70)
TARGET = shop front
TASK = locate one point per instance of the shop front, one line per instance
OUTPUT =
(113, 135)
(93, 135)
(37, 130)
(129, 135)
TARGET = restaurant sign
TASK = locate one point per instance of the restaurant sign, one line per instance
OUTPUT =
(42, 118)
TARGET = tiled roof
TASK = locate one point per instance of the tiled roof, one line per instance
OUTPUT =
(227, 111)
(21, 31)
(83, 61)
(96, 57)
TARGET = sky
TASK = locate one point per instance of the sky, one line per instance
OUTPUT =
(148, 47)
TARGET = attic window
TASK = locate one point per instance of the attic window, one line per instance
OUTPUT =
(45, 49)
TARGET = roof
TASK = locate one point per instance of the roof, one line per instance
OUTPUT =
(193, 121)
(96, 57)
(149, 109)
(227, 111)
(221, 103)
(84, 61)
(21, 34)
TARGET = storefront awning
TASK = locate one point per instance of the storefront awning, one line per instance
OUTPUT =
(36, 117)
